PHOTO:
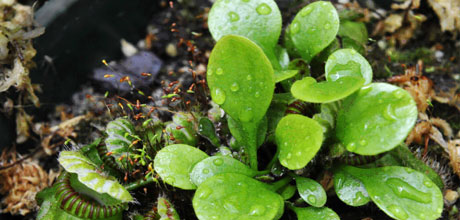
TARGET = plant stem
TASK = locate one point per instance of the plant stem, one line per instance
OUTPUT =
(280, 183)
(139, 183)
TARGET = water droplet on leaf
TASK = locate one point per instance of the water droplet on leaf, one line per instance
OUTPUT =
(398, 212)
(363, 142)
(218, 162)
(295, 28)
(351, 146)
(219, 71)
(257, 210)
(249, 77)
(311, 198)
(398, 94)
(263, 9)
(219, 96)
(205, 171)
(327, 26)
(388, 113)
(204, 193)
(234, 87)
(257, 94)
(306, 11)
(233, 16)
(246, 115)
(405, 190)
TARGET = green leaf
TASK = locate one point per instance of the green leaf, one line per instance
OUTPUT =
(120, 136)
(407, 158)
(186, 134)
(354, 30)
(401, 192)
(313, 28)
(206, 129)
(299, 139)
(214, 165)
(309, 90)
(242, 82)
(91, 176)
(287, 192)
(281, 75)
(348, 62)
(327, 116)
(311, 191)
(237, 130)
(235, 196)
(349, 189)
(174, 163)
(375, 119)
(282, 56)
(315, 213)
(258, 20)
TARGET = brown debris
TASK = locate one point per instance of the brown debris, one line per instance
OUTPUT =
(448, 12)
(21, 183)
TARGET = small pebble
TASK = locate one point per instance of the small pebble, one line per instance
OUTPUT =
(171, 50)
(450, 197)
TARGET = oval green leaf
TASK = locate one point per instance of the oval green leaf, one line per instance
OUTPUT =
(401, 192)
(214, 165)
(281, 75)
(175, 162)
(309, 90)
(348, 62)
(311, 191)
(314, 28)
(91, 176)
(240, 78)
(349, 189)
(316, 213)
(258, 20)
(287, 192)
(375, 119)
(235, 196)
(299, 139)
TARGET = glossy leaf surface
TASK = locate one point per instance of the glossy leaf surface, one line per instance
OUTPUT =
(242, 82)
(214, 165)
(287, 192)
(175, 162)
(91, 176)
(401, 192)
(311, 191)
(349, 189)
(299, 139)
(281, 75)
(309, 90)
(375, 119)
(348, 62)
(258, 20)
(316, 213)
(235, 196)
(314, 28)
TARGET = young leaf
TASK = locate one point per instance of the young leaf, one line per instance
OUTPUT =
(309, 90)
(281, 75)
(206, 129)
(174, 162)
(120, 136)
(235, 196)
(287, 192)
(315, 213)
(214, 165)
(401, 192)
(311, 191)
(348, 62)
(354, 30)
(258, 20)
(91, 176)
(314, 28)
(349, 189)
(299, 139)
(242, 82)
(375, 119)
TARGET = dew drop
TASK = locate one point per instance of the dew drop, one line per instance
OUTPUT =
(219, 71)
(353, 52)
(249, 77)
(388, 113)
(257, 94)
(324, 3)
(218, 96)
(205, 171)
(218, 161)
(246, 114)
(351, 146)
(285, 143)
(257, 210)
(363, 142)
(210, 72)
(288, 156)
(306, 11)
(263, 9)
(439, 210)
(422, 216)
(398, 212)
(299, 153)
(405, 190)
(230, 207)
(327, 26)
(234, 87)
(311, 30)
(205, 193)
(398, 94)
(312, 188)
(427, 183)
(311, 199)
(295, 28)
(233, 16)
(408, 170)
